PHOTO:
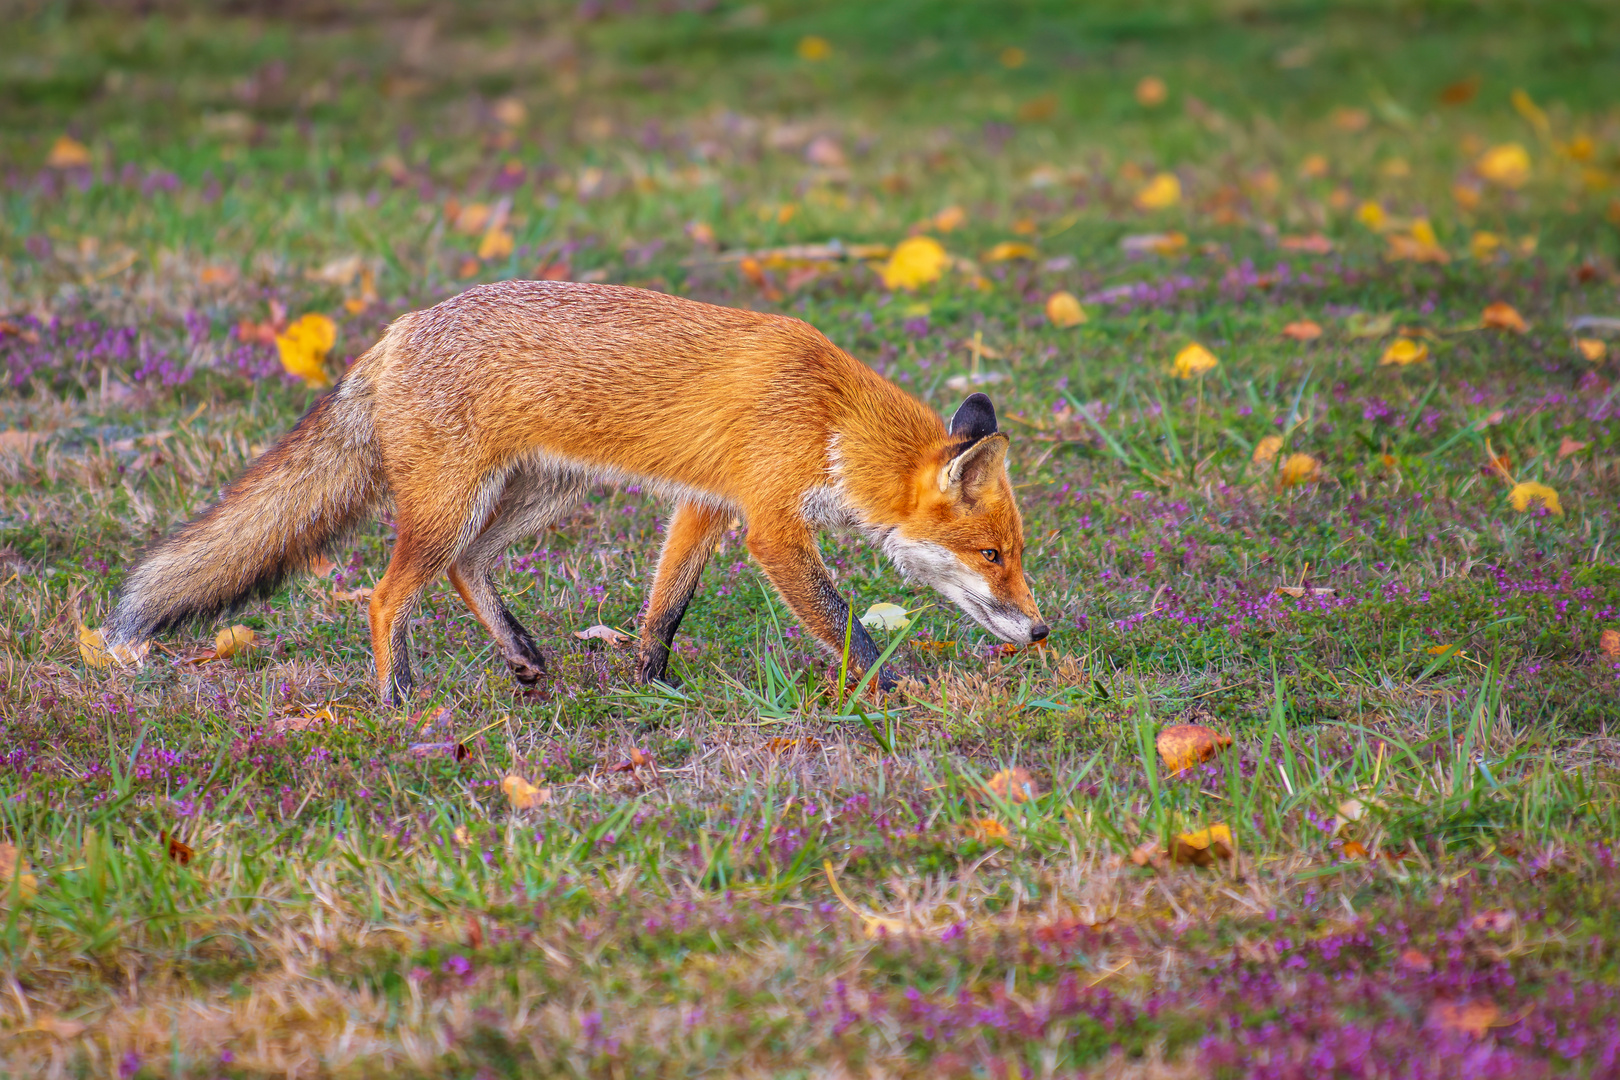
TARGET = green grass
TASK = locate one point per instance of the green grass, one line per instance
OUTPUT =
(804, 882)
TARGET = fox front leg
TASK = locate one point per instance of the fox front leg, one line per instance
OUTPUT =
(793, 565)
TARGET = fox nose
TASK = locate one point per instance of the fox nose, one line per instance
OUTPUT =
(1038, 632)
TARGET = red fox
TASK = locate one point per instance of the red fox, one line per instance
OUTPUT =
(487, 416)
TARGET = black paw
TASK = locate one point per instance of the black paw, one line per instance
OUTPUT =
(527, 670)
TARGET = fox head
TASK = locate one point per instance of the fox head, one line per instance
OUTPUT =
(966, 538)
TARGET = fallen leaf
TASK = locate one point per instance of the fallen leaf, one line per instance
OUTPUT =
(1493, 921)
(177, 850)
(1418, 244)
(1363, 325)
(604, 633)
(1300, 592)
(303, 722)
(1460, 92)
(1609, 643)
(1265, 451)
(1204, 847)
(1353, 849)
(68, 153)
(814, 48)
(1444, 650)
(18, 441)
(1299, 469)
(362, 592)
(510, 112)
(1346, 118)
(1151, 92)
(1593, 349)
(988, 829)
(303, 347)
(1314, 167)
(1014, 785)
(59, 1027)
(1149, 854)
(1474, 1017)
(825, 151)
(94, 651)
(917, 261)
(1183, 746)
(469, 219)
(1528, 493)
(1153, 243)
(1063, 310)
(524, 795)
(1008, 250)
(637, 758)
(1506, 166)
(1568, 447)
(1161, 193)
(1193, 360)
(14, 875)
(783, 746)
(1372, 215)
(1500, 316)
(1314, 244)
(1402, 352)
(1483, 244)
(232, 640)
(455, 750)
(496, 244)
(320, 566)
(1303, 330)
(949, 219)
(1413, 960)
(885, 616)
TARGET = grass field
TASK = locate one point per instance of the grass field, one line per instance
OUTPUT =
(1373, 544)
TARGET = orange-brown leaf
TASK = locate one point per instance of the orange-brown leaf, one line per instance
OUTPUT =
(1183, 746)
(1609, 643)
(1015, 785)
(177, 851)
(1500, 316)
(1303, 330)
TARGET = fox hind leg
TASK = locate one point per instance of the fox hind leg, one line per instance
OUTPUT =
(430, 537)
(532, 500)
(692, 535)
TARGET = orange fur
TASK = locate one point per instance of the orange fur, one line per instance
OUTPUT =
(487, 415)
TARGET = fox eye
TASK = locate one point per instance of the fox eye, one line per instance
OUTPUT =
(991, 553)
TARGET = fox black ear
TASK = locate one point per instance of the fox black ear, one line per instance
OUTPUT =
(975, 418)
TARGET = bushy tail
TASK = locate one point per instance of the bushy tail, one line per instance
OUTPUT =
(315, 485)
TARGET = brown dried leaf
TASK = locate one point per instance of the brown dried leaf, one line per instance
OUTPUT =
(1204, 847)
(988, 829)
(604, 633)
(1568, 447)
(178, 851)
(1473, 1017)
(782, 746)
(363, 592)
(1303, 330)
(14, 874)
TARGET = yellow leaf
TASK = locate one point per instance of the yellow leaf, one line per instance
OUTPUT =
(917, 261)
(496, 244)
(1525, 107)
(94, 651)
(1372, 215)
(1161, 193)
(1527, 493)
(1183, 746)
(1063, 310)
(232, 640)
(68, 153)
(1299, 469)
(1265, 451)
(1202, 848)
(1593, 349)
(1403, 351)
(303, 347)
(1151, 92)
(1500, 316)
(814, 48)
(1483, 244)
(14, 876)
(1506, 166)
(1013, 57)
(471, 218)
(1194, 360)
(1008, 250)
(524, 795)
(885, 617)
